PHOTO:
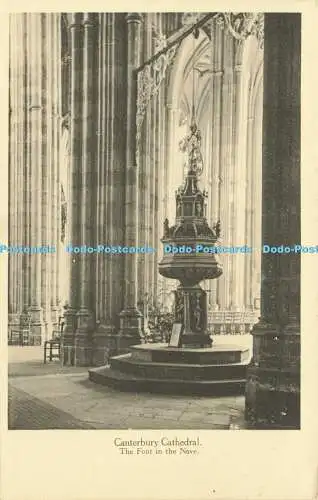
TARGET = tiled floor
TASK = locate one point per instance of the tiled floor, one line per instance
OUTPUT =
(51, 397)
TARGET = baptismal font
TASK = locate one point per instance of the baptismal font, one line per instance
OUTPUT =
(189, 248)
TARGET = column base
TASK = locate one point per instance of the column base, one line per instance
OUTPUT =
(273, 378)
(55, 313)
(68, 338)
(272, 399)
(83, 353)
(104, 344)
(37, 326)
(124, 342)
(83, 348)
(130, 330)
(48, 326)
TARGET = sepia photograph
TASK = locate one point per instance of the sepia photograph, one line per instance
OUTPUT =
(154, 222)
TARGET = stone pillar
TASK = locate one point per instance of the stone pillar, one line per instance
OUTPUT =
(145, 170)
(26, 177)
(35, 109)
(111, 156)
(160, 152)
(226, 171)
(248, 292)
(76, 155)
(104, 194)
(48, 38)
(20, 279)
(256, 207)
(239, 187)
(154, 141)
(130, 318)
(48, 215)
(109, 171)
(273, 382)
(214, 153)
(15, 165)
(87, 184)
(55, 89)
(168, 123)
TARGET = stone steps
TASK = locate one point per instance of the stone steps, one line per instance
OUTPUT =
(163, 353)
(178, 371)
(213, 371)
(133, 383)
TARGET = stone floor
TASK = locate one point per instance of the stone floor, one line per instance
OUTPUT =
(48, 396)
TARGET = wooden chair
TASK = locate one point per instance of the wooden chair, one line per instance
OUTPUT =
(14, 337)
(52, 347)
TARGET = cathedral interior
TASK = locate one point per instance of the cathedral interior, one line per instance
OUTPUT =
(100, 107)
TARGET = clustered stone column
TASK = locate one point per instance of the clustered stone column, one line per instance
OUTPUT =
(17, 300)
(51, 171)
(214, 139)
(80, 320)
(254, 193)
(34, 116)
(146, 166)
(104, 186)
(273, 385)
(37, 110)
(226, 168)
(130, 318)
(111, 157)
(76, 100)
(86, 180)
(239, 183)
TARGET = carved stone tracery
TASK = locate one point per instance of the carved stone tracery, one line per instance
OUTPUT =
(241, 25)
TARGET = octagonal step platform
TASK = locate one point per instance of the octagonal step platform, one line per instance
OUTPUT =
(219, 370)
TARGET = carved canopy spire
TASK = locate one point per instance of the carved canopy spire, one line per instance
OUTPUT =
(191, 145)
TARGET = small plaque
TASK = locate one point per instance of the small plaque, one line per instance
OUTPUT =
(175, 335)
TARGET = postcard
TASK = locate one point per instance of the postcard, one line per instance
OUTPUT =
(159, 251)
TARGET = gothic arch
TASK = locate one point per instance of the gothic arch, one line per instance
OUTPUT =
(189, 50)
